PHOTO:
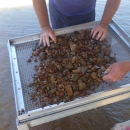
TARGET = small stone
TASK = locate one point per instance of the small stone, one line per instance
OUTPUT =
(54, 46)
(29, 60)
(83, 62)
(46, 99)
(35, 60)
(69, 66)
(55, 101)
(81, 85)
(75, 59)
(69, 90)
(36, 53)
(84, 55)
(74, 86)
(76, 93)
(76, 71)
(84, 69)
(52, 91)
(43, 104)
(59, 40)
(74, 47)
(75, 77)
(66, 99)
(36, 103)
(42, 56)
(94, 75)
(30, 84)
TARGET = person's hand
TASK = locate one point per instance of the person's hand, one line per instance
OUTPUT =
(99, 32)
(116, 72)
(47, 33)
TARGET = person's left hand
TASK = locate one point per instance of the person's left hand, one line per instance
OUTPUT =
(115, 72)
(99, 32)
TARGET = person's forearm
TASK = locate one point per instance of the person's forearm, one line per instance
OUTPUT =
(109, 11)
(127, 65)
(41, 12)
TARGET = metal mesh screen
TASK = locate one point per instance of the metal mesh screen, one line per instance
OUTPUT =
(26, 69)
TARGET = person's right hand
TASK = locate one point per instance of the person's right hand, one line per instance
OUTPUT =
(47, 32)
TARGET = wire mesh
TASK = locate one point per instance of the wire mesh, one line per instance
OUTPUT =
(26, 69)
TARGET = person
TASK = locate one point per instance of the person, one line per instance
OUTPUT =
(65, 13)
(116, 71)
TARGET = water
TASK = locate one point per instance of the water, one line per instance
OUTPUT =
(20, 21)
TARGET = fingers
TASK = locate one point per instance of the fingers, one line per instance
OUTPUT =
(110, 78)
(44, 39)
(47, 33)
(103, 36)
(99, 32)
(41, 40)
(115, 72)
(92, 30)
(94, 33)
(107, 78)
(53, 37)
(107, 71)
(47, 41)
(108, 75)
(99, 35)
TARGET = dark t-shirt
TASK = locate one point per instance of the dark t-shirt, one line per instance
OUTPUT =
(74, 7)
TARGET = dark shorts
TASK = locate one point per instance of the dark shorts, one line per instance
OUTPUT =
(59, 20)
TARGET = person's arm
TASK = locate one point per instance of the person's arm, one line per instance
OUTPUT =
(41, 12)
(116, 71)
(109, 11)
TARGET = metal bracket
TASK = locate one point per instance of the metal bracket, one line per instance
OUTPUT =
(77, 110)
